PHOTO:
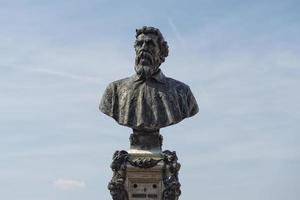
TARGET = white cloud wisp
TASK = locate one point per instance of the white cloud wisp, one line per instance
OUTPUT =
(69, 184)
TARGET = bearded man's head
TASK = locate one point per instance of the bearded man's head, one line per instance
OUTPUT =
(151, 50)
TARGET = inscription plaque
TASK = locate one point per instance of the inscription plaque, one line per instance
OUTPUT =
(144, 184)
(141, 190)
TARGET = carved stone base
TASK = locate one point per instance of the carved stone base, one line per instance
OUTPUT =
(145, 178)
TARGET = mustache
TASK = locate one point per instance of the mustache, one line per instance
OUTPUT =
(145, 55)
(144, 51)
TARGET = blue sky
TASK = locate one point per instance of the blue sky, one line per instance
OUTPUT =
(240, 58)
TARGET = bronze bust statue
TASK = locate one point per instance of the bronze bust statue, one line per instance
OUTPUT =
(148, 100)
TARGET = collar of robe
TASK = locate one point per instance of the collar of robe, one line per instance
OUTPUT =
(158, 76)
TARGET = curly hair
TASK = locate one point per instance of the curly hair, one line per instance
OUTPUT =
(163, 45)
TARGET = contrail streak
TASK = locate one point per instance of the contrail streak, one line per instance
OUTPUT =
(59, 73)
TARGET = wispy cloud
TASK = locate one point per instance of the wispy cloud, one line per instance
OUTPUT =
(60, 73)
(69, 184)
(177, 33)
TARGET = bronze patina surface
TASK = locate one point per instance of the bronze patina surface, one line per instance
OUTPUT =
(148, 100)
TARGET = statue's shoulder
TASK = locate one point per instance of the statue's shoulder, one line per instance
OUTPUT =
(178, 85)
(119, 83)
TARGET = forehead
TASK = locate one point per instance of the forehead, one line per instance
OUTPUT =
(145, 37)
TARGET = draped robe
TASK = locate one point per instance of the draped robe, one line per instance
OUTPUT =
(148, 104)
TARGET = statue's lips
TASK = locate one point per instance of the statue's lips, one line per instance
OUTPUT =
(145, 62)
(145, 57)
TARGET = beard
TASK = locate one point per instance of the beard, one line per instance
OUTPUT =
(146, 65)
(145, 71)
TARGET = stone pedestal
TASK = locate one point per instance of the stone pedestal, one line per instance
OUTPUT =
(145, 175)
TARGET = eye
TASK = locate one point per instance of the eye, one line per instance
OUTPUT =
(150, 43)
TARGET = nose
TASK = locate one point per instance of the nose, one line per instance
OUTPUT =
(144, 45)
